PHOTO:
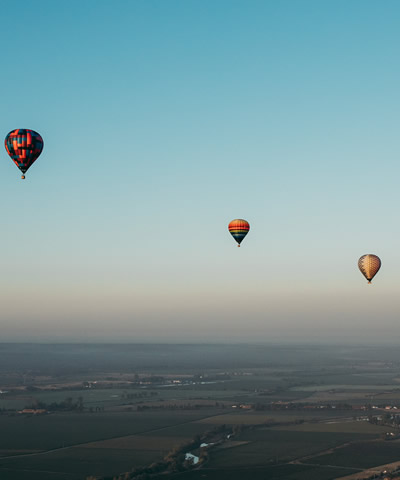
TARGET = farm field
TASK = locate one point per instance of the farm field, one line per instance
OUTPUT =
(77, 463)
(285, 472)
(362, 454)
(377, 469)
(112, 397)
(354, 397)
(338, 426)
(254, 451)
(61, 430)
(269, 407)
(153, 439)
(254, 418)
(266, 446)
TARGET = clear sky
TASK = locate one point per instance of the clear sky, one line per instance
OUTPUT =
(163, 121)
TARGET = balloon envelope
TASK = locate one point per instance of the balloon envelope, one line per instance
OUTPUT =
(369, 266)
(239, 228)
(24, 146)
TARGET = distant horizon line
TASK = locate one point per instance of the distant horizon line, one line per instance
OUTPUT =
(297, 343)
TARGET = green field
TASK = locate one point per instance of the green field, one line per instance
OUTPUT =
(363, 454)
(111, 397)
(71, 445)
(116, 442)
(337, 426)
(266, 446)
(285, 472)
(60, 430)
(107, 444)
(78, 462)
(242, 417)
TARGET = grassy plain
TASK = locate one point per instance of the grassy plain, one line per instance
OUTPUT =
(60, 430)
(71, 445)
(105, 444)
(239, 417)
(362, 454)
(364, 428)
(266, 446)
(286, 472)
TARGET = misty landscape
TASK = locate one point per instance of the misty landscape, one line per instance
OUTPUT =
(141, 411)
(144, 142)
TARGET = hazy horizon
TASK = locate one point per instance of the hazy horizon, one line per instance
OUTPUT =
(316, 340)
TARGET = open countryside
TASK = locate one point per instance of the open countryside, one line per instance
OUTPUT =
(243, 409)
(144, 141)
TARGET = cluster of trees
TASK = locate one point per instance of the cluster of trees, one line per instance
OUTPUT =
(303, 406)
(67, 405)
(33, 388)
(204, 377)
(152, 379)
(186, 406)
(384, 475)
(130, 396)
(386, 419)
(174, 461)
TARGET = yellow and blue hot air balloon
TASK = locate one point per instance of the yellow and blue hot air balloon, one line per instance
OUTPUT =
(239, 228)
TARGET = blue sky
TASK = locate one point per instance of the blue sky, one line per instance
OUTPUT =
(163, 121)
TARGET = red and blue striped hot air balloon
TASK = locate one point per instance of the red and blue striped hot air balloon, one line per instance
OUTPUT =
(239, 228)
(24, 146)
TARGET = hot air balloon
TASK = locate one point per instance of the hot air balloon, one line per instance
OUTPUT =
(369, 266)
(239, 228)
(24, 146)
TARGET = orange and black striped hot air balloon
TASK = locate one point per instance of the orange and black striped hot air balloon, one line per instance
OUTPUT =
(369, 266)
(239, 228)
